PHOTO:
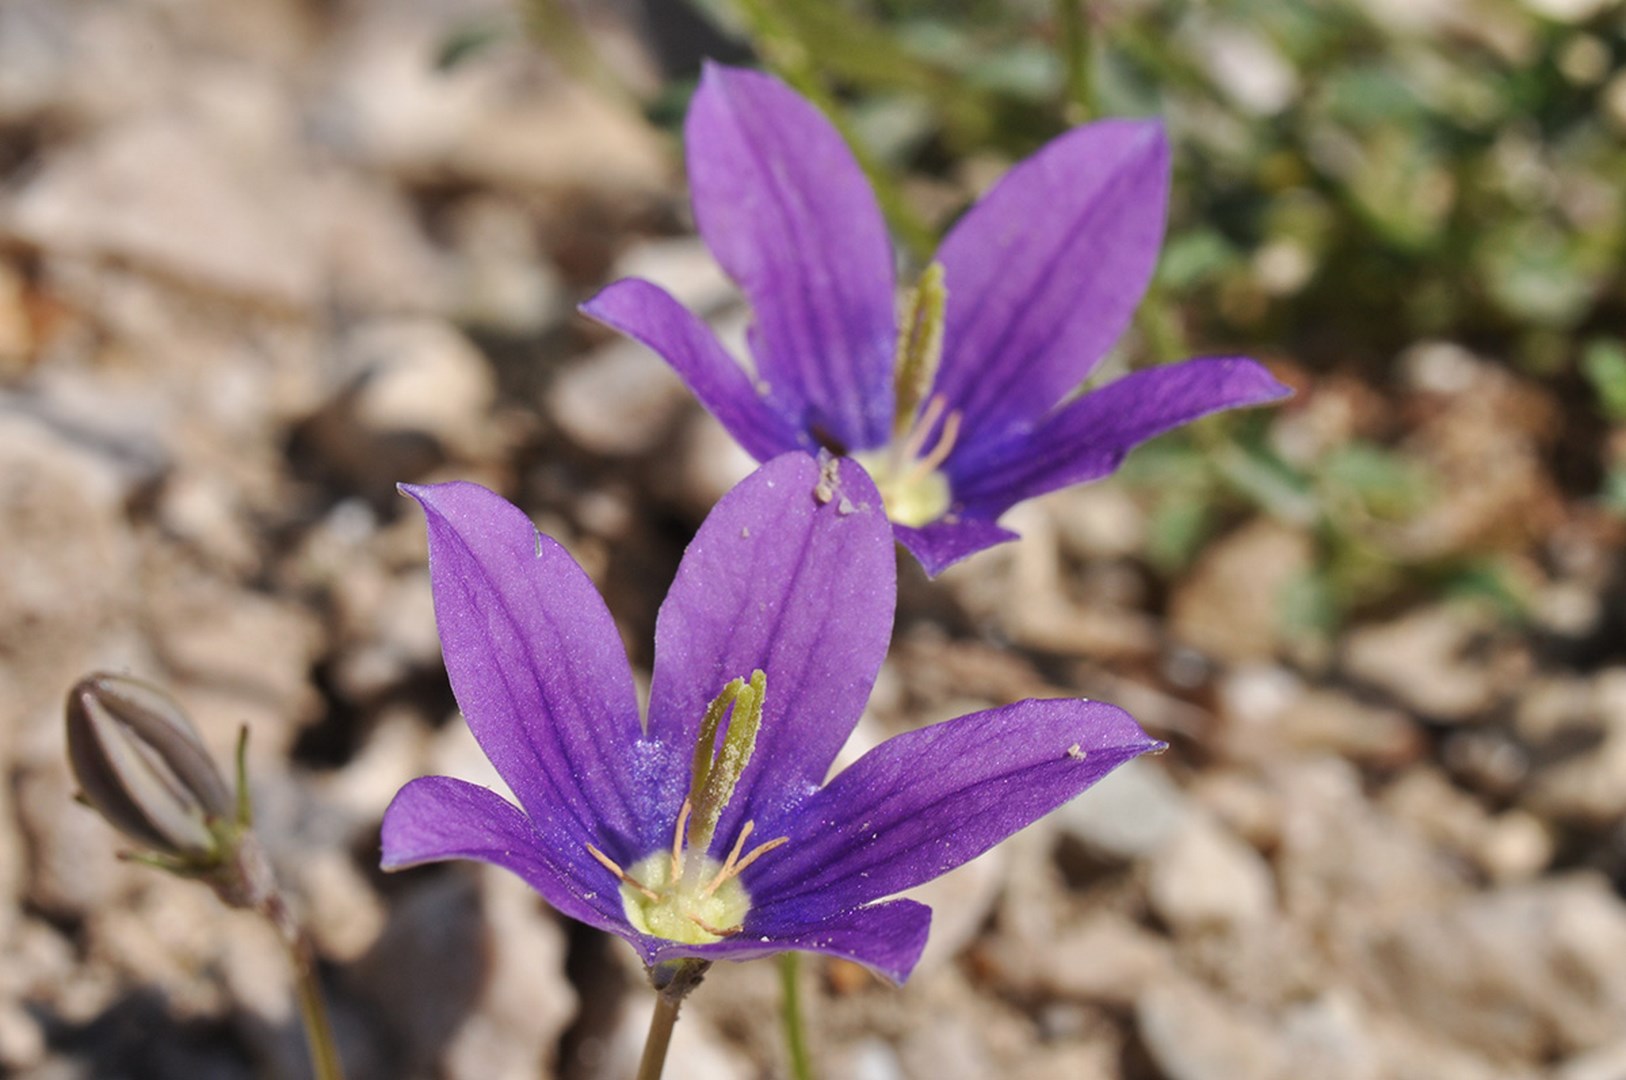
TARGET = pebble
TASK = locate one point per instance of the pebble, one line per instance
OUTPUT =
(1207, 879)
(1129, 815)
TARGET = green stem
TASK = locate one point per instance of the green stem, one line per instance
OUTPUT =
(673, 982)
(1075, 51)
(790, 985)
(324, 1052)
(660, 1037)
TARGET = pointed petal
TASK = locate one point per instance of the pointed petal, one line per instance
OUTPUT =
(537, 667)
(801, 588)
(943, 543)
(1088, 438)
(649, 314)
(1045, 271)
(886, 938)
(789, 214)
(436, 818)
(926, 801)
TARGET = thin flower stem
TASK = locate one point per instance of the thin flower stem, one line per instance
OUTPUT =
(673, 982)
(790, 983)
(660, 1037)
(324, 1052)
(313, 1011)
(1076, 59)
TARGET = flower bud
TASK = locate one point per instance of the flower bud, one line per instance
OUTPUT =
(143, 767)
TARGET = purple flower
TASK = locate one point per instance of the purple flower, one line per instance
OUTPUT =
(709, 831)
(1042, 276)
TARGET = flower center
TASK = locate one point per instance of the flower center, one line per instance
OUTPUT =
(914, 492)
(906, 469)
(684, 894)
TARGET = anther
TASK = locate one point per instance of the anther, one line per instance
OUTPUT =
(621, 875)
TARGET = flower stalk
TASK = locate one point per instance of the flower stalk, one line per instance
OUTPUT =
(790, 1006)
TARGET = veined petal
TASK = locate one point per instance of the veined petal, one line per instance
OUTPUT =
(787, 211)
(945, 542)
(649, 314)
(537, 667)
(924, 802)
(794, 573)
(1045, 271)
(886, 938)
(1088, 438)
(436, 818)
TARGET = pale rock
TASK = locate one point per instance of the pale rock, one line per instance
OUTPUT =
(1207, 879)
(375, 256)
(528, 1001)
(1588, 787)
(71, 867)
(1129, 815)
(684, 267)
(399, 637)
(1329, 1038)
(506, 118)
(22, 1039)
(235, 657)
(69, 564)
(1344, 867)
(1191, 1034)
(1604, 1063)
(421, 375)
(1230, 606)
(1522, 973)
(1421, 659)
(339, 908)
(1106, 960)
(620, 401)
(1246, 66)
(1099, 521)
(163, 196)
(961, 901)
(1073, 1061)
(869, 1058)
(501, 278)
(945, 1048)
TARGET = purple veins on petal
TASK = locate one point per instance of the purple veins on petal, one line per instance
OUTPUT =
(712, 834)
(1042, 276)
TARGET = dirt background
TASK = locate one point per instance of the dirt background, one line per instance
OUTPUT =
(260, 262)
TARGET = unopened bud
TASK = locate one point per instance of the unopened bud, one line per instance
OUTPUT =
(143, 767)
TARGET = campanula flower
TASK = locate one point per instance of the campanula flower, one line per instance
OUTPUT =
(708, 831)
(959, 405)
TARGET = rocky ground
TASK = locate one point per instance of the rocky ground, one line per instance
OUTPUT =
(260, 262)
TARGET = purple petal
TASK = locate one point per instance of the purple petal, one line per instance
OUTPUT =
(435, 818)
(926, 801)
(1045, 271)
(945, 542)
(886, 938)
(800, 587)
(538, 668)
(649, 314)
(1087, 438)
(790, 216)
